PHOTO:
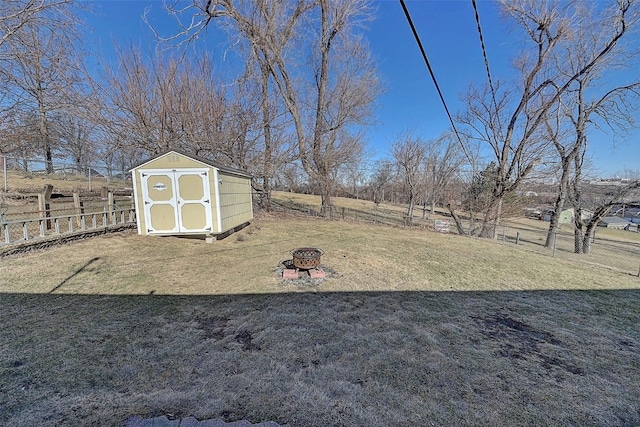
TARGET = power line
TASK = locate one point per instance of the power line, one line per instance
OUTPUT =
(486, 60)
(433, 77)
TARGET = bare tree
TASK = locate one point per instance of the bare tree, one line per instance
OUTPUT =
(76, 139)
(17, 14)
(321, 71)
(442, 163)
(591, 101)
(585, 227)
(170, 104)
(43, 69)
(409, 153)
(382, 176)
(614, 108)
(19, 134)
(514, 131)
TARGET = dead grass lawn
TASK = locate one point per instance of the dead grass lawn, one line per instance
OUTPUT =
(416, 328)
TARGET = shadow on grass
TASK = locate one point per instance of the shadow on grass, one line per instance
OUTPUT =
(319, 359)
(78, 271)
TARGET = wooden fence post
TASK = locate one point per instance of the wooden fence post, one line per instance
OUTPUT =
(110, 205)
(78, 206)
(44, 210)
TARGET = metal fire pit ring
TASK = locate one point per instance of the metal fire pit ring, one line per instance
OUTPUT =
(306, 258)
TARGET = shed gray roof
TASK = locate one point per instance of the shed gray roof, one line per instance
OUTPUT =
(204, 160)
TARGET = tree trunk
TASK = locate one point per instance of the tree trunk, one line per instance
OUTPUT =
(44, 136)
(325, 196)
(456, 219)
(586, 244)
(492, 218)
(410, 207)
(578, 237)
(265, 201)
(588, 237)
(558, 206)
(265, 197)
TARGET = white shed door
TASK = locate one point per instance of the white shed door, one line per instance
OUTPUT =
(177, 201)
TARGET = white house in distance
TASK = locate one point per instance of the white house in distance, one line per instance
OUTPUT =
(180, 194)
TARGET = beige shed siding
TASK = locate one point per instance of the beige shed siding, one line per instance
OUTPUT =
(235, 200)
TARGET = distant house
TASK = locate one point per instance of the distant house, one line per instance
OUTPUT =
(617, 223)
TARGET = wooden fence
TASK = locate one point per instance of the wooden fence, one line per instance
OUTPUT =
(25, 230)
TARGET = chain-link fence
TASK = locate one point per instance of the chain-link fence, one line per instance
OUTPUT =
(613, 248)
(384, 216)
(26, 175)
(39, 200)
(618, 250)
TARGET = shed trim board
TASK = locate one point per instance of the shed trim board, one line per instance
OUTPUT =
(216, 183)
(205, 163)
(165, 200)
(135, 201)
(250, 190)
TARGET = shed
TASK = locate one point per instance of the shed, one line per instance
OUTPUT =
(177, 193)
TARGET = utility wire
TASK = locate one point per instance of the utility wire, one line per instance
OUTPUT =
(433, 77)
(486, 60)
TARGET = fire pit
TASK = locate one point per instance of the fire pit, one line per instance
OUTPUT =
(306, 258)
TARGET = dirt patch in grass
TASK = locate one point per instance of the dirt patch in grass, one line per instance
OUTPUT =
(521, 341)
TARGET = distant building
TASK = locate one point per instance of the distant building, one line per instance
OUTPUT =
(617, 223)
(567, 215)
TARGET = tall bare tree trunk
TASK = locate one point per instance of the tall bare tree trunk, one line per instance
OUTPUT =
(268, 148)
(325, 197)
(558, 206)
(492, 218)
(43, 128)
(588, 238)
(578, 236)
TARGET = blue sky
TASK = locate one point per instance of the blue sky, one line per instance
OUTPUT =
(410, 102)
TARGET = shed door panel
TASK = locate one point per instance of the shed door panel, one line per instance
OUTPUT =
(194, 201)
(177, 201)
(160, 204)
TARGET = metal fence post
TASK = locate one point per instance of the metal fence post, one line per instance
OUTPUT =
(517, 237)
(555, 239)
(4, 171)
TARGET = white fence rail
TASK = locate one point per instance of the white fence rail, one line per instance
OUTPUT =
(24, 230)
